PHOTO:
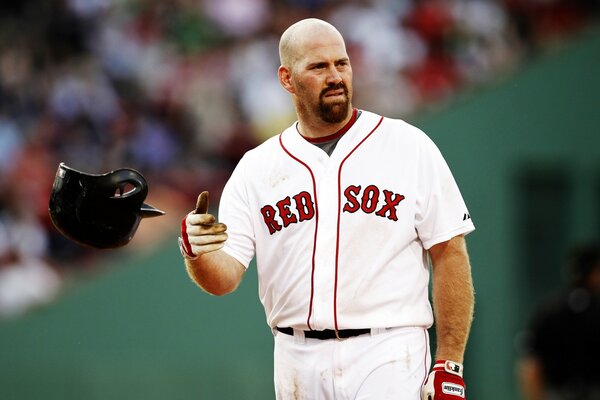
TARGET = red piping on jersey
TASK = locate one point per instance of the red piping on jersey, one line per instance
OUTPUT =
(337, 243)
(312, 273)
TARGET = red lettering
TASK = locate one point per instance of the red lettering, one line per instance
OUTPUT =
(305, 206)
(285, 213)
(351, 192)
(390, 205)
(370, 198)
(268, 213)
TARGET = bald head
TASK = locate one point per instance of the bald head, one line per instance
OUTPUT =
(298, 36)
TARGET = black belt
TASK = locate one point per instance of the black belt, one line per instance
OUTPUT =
(327, 333)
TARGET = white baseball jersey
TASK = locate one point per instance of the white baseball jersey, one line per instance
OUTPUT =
(340, 241)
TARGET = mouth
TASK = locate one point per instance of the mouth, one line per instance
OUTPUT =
(335, 93)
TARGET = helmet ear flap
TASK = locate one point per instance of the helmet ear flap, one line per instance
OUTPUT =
(96, 209)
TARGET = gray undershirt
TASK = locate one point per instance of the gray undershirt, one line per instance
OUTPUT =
(329, 145)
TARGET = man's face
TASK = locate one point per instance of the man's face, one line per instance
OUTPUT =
(323, 79)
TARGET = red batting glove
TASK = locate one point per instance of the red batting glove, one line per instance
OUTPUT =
(445, 382)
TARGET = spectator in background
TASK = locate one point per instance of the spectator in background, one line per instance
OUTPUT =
(177, 89)
(26, 278)
(562, 345)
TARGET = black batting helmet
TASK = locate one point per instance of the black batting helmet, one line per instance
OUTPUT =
(95, 209)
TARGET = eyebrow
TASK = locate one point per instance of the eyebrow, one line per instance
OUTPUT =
(339, 60)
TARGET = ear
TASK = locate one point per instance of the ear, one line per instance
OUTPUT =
(285, 79)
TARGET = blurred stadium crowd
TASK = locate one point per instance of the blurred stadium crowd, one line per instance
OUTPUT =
(181, 89)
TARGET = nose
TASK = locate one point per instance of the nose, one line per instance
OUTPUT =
(333, 77)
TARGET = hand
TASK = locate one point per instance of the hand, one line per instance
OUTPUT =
(445, 382)
(200, 234)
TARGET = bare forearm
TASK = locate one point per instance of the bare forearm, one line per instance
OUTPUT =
(453, 298)
(216, 272)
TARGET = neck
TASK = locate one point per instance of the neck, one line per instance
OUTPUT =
(317, 128)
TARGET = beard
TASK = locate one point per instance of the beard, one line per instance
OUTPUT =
(336, 111)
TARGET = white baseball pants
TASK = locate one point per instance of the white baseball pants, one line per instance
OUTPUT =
(389, 364)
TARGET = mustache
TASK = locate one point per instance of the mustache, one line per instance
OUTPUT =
(337, 86)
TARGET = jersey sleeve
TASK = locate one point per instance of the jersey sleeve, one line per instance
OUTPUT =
(441, 210)
(234, 211)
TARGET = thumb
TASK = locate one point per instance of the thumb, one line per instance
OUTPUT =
(202, 203)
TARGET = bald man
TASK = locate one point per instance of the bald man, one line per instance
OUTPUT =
(345, 210)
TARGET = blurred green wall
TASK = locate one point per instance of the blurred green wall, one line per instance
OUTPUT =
(143, 331)
(140, 331)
